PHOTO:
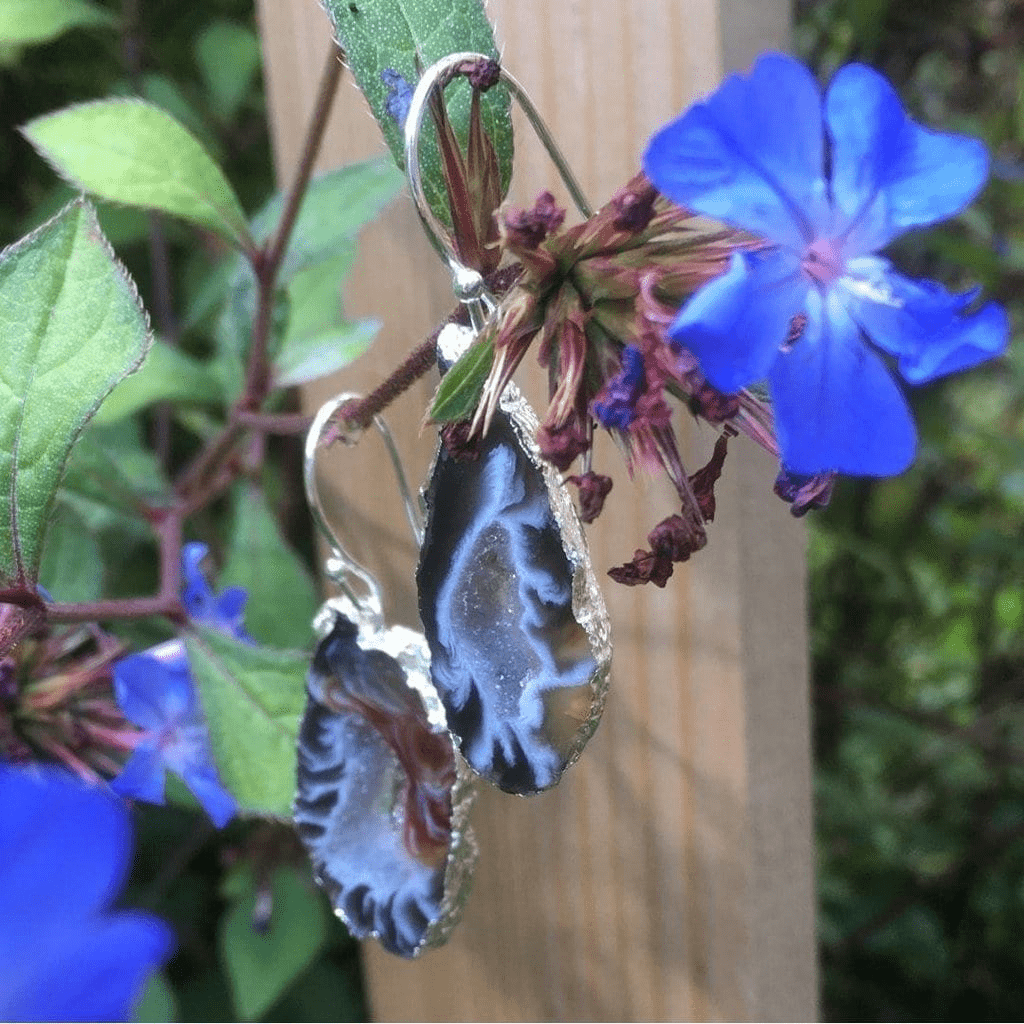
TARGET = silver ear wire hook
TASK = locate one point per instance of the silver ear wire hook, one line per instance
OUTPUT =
(469, 284)
(341, 567)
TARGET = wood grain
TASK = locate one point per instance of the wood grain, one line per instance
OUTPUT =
(670, 875)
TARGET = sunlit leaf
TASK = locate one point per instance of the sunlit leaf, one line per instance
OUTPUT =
(72, 327)
(25, 22)
(336, 206)
(132, 152)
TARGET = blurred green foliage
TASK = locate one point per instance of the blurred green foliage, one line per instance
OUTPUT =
(917, 587)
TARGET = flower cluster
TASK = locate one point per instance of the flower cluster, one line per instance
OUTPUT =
(156, 692)
(596, 296)
(644, 303)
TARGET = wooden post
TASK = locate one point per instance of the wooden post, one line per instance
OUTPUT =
(670, 875)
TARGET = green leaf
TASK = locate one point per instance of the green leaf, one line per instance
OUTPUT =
(459, 390)
(71, 567)
(167, 375)
(314, 293)
(25, 22)
(318, 355)
(109, 472)
(132, 152)
(282, 595)
(262, 964)
(157, 1002)
(72, 327)
(336, 206)
(318, 340)
(391, 35)
(331, 989)
(165, 93)
(228, 55)
(868, 19)
(253, 699)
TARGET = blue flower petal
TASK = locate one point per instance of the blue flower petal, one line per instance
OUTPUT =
(142, 777)
(399, 95)
(736, 324)
(155, 687)
(37, 809)
(751, 154)
(230, 612)
(967, 342)
(86, 974)
(190, 757)
(888, 173)
(218, 803)
(155, 690)
(196, 592)
(925, 325)
(615, 404)
(836, 405)
(64, 851)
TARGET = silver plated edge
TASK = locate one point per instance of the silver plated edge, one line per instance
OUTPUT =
(409, 648)
(588, 605)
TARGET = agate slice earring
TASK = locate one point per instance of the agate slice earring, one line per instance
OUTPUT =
(382, 800)
(519, 636)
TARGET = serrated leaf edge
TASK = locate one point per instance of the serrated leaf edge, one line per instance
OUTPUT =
(240, 234)
(96, 233)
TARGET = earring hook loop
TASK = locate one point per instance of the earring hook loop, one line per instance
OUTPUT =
(356, 582)
(469, 284)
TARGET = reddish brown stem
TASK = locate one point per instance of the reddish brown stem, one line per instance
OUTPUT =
(416, 364)
(267, 263)
(275, 422)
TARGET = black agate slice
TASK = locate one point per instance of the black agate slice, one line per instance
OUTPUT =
(519, 637)
(380, 805)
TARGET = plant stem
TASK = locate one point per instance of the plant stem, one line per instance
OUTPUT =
(284, 423)
(360, 413)
(267, 262)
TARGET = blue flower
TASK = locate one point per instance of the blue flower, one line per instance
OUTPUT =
(399, 96)
(64, 854)
(226, 612)
(155, 690)
(615, 406)
(828, 183)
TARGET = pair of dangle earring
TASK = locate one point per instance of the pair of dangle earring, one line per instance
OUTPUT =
(508, 680)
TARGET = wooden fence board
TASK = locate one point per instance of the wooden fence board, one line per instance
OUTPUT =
(670, 875)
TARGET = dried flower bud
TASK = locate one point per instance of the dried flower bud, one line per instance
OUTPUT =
(526, 229)
(562, 444)
(646, 567)
(704, 480)
(594, 488)
(634, 207)
(485, 74)
(804, 492)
